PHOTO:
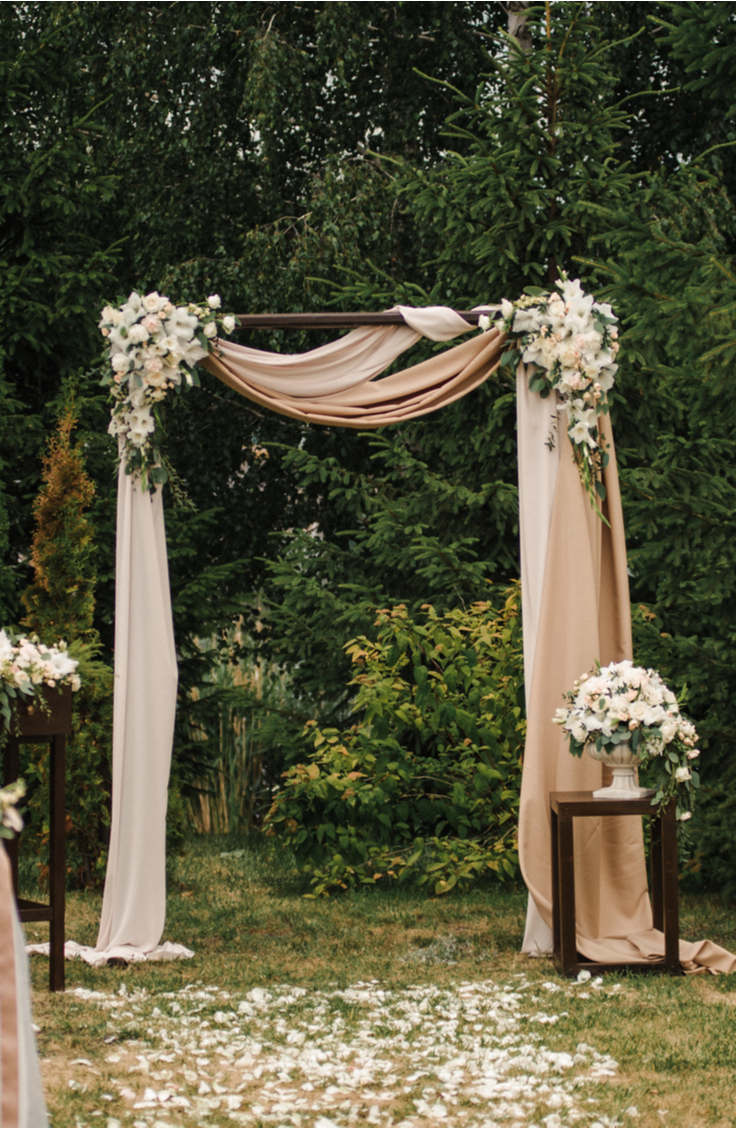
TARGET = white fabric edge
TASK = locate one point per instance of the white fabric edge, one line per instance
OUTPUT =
(73, 951)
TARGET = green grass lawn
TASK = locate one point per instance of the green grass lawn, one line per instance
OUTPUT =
(383, 1007)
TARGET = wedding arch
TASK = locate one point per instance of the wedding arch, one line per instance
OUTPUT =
(575, 593)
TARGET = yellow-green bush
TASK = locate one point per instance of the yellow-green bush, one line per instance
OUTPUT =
(424, 786)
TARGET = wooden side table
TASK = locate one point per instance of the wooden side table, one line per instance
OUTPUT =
(34, 726)
(565, 806)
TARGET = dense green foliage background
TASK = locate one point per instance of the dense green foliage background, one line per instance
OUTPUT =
(297, 156)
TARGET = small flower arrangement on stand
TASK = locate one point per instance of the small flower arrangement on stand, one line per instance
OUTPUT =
(27, 670)
(27, 666)
(624, 715)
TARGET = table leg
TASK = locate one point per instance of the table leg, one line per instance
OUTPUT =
(568, 930)
(656, 865)
(57, 863)
(555, 844)
(670, 890)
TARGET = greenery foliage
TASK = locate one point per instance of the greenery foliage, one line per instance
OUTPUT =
(296, 157)
(424, 787)
(60, 605)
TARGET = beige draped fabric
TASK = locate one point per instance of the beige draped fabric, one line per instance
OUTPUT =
(334, 384)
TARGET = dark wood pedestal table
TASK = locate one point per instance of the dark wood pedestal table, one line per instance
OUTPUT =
(565, 806)
(36, 726)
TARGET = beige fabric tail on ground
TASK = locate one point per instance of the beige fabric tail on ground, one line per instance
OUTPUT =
(584, 616)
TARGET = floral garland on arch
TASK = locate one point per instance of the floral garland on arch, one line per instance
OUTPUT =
(153, 347)
(571, 341)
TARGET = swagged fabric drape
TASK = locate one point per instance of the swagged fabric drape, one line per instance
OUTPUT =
(575, 607)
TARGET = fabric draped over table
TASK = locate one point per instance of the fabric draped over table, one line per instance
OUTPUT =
(575, 599)
(575, 608)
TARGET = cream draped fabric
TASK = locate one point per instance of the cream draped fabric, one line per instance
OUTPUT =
(575, 602)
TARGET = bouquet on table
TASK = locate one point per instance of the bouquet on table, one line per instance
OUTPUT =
(26, 665)
(626, 716)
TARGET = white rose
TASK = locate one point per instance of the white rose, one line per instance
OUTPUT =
(213, 301)
(153, 302)
(669, 730)
(682, 774)
(210, 329)
(6, 647)
(120, 362)
(228, 323)
(137, 333)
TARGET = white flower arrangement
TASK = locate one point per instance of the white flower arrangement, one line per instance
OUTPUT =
(571, 341)
(10, 821)
(26, 665)
(153, 347)
(622, 703)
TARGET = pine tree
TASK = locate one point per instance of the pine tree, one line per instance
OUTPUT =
(60, 604)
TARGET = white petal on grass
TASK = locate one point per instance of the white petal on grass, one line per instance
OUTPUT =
(472, 1054)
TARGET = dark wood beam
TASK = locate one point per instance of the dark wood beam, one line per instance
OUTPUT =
(330, 320)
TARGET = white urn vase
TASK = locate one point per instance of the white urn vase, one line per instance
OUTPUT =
(623, 762)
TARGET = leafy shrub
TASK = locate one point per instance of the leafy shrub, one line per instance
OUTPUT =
(424, 788)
